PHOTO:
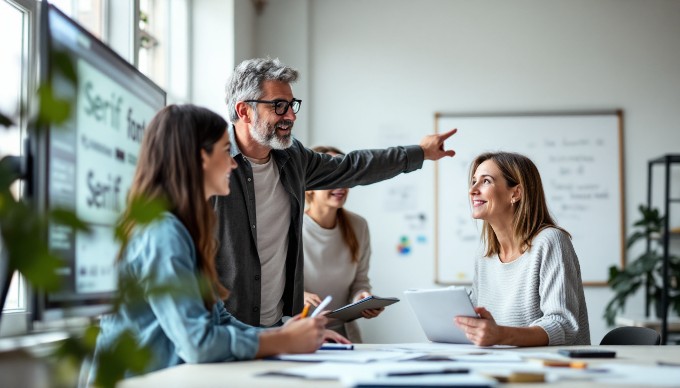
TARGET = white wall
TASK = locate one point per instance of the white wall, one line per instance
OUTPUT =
(376, 71)
(212, 50)
(227, 32)
(282, 31)
(244, 31)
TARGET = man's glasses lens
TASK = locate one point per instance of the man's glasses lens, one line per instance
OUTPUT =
(281, 106)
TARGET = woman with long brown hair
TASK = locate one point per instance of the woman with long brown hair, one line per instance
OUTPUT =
(172, 300)
(528, 285)
(337, 252)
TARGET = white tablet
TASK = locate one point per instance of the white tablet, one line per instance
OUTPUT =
(436, 310)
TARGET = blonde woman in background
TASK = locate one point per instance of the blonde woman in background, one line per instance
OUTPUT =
(337, 251)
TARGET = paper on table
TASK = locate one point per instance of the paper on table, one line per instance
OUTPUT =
(336, 370)
(432, 347)
(459, 352)
(490, 357)
(641, 375)
(615, 374)
(446, 380)
(358, 356)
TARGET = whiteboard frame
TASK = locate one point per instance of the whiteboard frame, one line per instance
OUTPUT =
(614, 112)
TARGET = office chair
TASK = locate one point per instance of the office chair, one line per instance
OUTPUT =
(631, 335)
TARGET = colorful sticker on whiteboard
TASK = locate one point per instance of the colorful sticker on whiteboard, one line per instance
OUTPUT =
(404, 246)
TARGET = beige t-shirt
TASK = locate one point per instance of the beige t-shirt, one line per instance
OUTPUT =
(272, 212)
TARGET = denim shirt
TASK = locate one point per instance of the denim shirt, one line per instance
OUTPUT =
(300, 169)
(175, 326)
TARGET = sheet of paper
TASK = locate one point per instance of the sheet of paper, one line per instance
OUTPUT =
(430, 347)
(336, 370)
(457, 352)
(441, 346)
(445, 380)
(351, 356)
(489, 357)
(648, 376)
(359, 367)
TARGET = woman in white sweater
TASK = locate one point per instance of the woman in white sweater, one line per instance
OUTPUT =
(337, 250)
(528, 285)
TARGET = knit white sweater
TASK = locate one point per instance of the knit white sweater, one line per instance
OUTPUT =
(540, 288)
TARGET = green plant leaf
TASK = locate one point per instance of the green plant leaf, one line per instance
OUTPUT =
(144, 211)
(23, 232)
(140, 211)
(5, 121)
(63, 64)
(123, 355)
(635, 237)
(68, 218)
(53, 110)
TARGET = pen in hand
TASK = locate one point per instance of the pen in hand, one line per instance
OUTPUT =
(305, 311)
(322, 306)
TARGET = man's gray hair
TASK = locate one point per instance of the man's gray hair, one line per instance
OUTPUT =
(246, 81)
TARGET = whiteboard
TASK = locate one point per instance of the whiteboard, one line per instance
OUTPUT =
(579, 157)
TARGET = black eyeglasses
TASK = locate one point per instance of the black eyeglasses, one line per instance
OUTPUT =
(281, 106)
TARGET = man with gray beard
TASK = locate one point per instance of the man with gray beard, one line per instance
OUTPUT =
(260, 256)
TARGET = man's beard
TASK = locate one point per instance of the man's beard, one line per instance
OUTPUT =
(265, 134)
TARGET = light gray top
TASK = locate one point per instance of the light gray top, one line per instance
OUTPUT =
(540, 288)
(329, 269)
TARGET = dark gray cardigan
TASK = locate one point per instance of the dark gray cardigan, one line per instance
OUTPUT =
(300, 169)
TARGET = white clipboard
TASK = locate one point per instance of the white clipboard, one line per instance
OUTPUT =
(436, 310)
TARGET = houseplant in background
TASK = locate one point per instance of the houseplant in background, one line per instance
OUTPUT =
(645, 270)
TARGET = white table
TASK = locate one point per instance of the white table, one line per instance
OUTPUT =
(245, 374)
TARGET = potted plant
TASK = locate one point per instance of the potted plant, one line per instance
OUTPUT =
(645, 270)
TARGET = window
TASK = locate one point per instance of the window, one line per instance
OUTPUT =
(17, 18)
(151, 52)
(164, 45)
(163, 56)
(14, 76)
(89, 13)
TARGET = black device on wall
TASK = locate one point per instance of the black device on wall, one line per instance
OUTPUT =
(87, 163)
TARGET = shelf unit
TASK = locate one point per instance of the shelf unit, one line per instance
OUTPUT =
(666, 161)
